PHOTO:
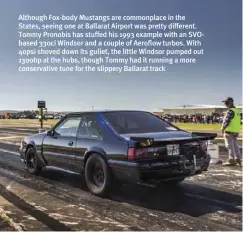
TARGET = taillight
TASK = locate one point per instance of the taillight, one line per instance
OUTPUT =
(136, 153)
(130, 153)
(202, 145)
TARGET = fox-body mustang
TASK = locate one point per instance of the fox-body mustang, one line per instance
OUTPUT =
(111, 147)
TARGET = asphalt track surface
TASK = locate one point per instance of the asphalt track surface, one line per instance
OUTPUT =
(59, 200)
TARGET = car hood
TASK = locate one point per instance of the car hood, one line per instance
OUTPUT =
(35, 136)
(168, 135)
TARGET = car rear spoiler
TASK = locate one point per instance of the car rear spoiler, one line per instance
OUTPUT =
(196, 137)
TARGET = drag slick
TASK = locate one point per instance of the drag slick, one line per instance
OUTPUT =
(110, 147)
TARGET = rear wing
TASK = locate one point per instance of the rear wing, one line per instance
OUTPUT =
(208, 136)
(196, 137)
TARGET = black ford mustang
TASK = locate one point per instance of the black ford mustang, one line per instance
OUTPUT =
(118, 146)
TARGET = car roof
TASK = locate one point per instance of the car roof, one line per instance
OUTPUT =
(104, 111)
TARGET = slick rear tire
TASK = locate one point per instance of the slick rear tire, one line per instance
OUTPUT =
(98, 176)
(32, 162)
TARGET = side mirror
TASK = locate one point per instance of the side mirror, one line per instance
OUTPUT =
(50, 133)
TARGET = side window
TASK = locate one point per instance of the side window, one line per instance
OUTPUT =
(68, 127)
(89, 128)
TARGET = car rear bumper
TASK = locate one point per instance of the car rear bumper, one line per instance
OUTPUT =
(134, 172)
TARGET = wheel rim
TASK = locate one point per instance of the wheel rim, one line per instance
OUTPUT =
(31, 160)
(98, 175)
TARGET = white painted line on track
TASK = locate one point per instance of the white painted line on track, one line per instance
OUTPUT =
(17, 132)
(11, 137)
(221, 138)
(10, 152)
(25, 129)
(11, 143)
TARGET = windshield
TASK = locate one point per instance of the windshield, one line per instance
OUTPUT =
(126, 122)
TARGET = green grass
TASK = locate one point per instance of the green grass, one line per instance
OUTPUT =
(199, 127)
(27, 122)
(192, 126)
(202, 127)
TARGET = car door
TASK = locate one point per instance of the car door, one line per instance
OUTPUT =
(59, 148)
(89, 136)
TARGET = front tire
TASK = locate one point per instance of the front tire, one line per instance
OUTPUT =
(32, 162)
(98, 175)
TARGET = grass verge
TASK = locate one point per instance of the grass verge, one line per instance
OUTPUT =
(26, 122)
(194, 126)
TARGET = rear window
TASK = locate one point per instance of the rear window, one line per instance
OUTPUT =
(126, 122)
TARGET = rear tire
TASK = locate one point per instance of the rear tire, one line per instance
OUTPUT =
(98, 176)
(32, 162)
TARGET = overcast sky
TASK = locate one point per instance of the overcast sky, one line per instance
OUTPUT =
(217, 74)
